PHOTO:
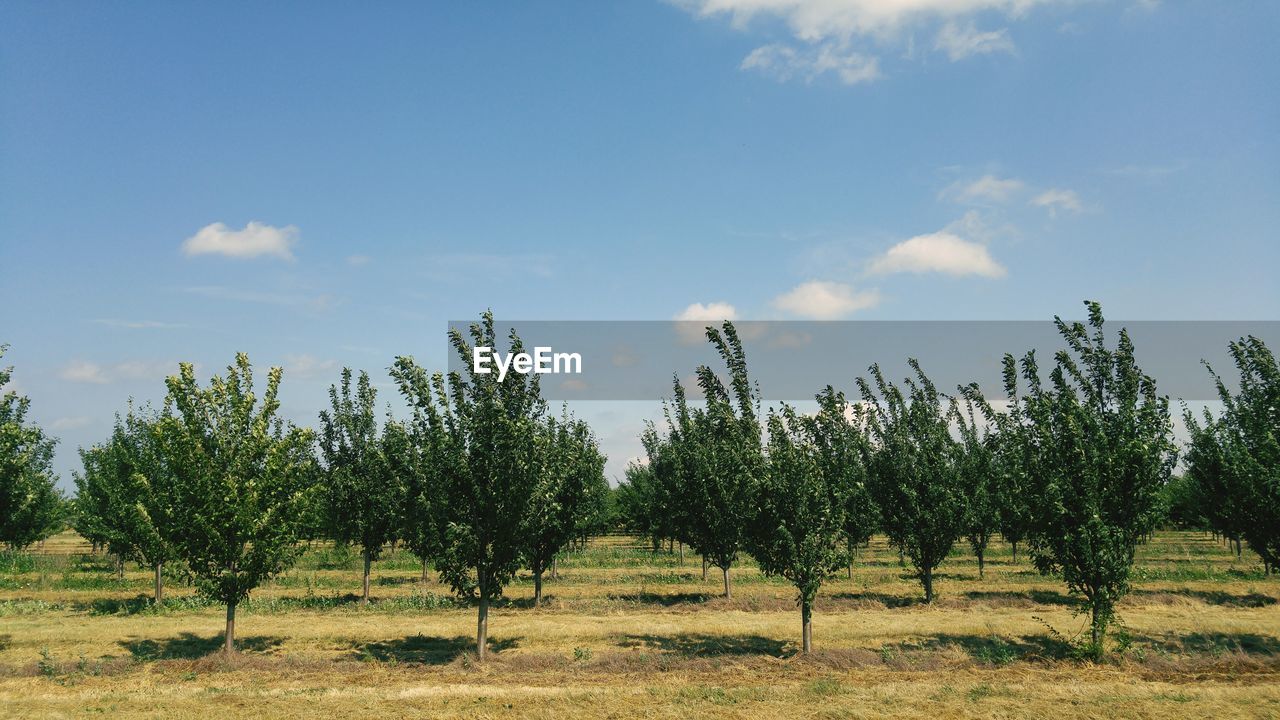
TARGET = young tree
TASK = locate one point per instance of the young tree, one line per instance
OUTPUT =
(915, 470)
(1100, 439)
(977, 466)
(799, 524)
(839, 434)
(570, 461)
(421, 525)
(717, 456)
(117, 502)
(238, 479)
(1234, 460)
(362, 495)
(480, 440)
(31, 507)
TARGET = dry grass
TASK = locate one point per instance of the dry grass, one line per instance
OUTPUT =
(626, 633)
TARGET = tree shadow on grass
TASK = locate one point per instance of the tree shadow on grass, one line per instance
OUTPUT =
(116, 606)
(993, 649)
(1217, 597)
(189, 646)
(889, 601)
(1216, 643)
(663, 599)
(1039, 597)
(700, 645)
(426, 649)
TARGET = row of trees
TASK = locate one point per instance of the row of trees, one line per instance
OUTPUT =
(1074, 466)
(480, 481)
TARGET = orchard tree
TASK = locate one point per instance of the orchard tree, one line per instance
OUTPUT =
(977, 466)
(571, 463)
(420, 524)
(798, 528)
(718, 457)
(362, 494)
(838, 433)
(1100, 440)
(480, 438)
(238, 479)
(1234, 460)
(1015, 465)
(638, 506)
(118, 502)
(915, 470)
(31, 507)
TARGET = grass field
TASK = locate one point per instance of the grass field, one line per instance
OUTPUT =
(628, 633)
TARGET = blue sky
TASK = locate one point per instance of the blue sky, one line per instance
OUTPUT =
(324, 184)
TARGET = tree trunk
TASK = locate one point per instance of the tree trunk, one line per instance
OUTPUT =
(728, 589)
(981, 565)
(1238, 551)
(704, 568)
(806, 627)
(681, 554)
(482, 625)
(364, 589)
(230, 645)
(119, 567)
(555, 568)
(902, 557)
(537, 587)
(159, 583)
(424, 569)
(927, 577)
(1015, 550)
(1096, 633)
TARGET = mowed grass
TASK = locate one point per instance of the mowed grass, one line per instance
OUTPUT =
(626, 632)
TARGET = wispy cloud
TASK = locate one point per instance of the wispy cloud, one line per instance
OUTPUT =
(825, 300)
(308, 366)
(253, 240)
(87, 372)
(986, 189)
(221, 292)
(962, 40)
(1054, 200)
(784, 62)
(843, 36)
(138, 324)
(69, 423)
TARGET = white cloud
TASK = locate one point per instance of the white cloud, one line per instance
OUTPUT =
(822, 300)
(69, 423)
(783, 62)
(305, 366)
(254, 240)
(987, 188)
(1054, 200)
(961, 41)
(715, 311)
(941, 252)
(83, 371)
